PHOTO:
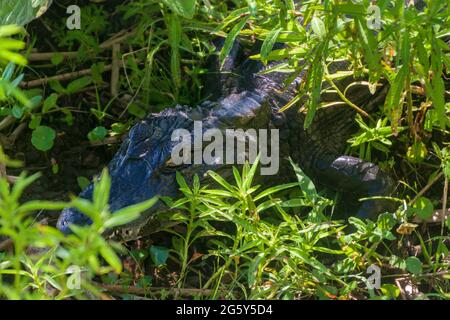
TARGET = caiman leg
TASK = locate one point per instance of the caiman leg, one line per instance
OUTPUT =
(350, 174)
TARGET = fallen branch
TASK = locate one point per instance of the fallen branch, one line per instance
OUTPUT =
(46, 56)
(60, 77)
(12, 179)
(115, 71)
(444, 205)
(143, 291)
(116, 39)
(423, 275)
(16, 133)
(2, 170)
(106, 141)
(6, 122)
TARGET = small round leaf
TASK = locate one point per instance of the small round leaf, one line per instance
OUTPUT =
(97, 134)
(159, 255)
(413, 265)
(43, 138)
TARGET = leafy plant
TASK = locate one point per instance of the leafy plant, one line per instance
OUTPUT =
(377, 137)
(232, 237)
(272, 251)
(49, 272)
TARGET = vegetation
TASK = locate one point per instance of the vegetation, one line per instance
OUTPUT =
(68, 95)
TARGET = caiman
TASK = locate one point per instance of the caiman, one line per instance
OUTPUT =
(241, 96)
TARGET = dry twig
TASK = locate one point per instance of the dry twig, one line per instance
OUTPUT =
(118, 289)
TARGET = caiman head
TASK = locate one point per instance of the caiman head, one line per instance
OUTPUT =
(143, 167)
(140, 170)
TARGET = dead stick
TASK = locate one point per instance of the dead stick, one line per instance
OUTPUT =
(46, 56)
(444, 204)
(12, 179)
(2, 170)
(143, 291)
(6, 122)
(16, 133)
(60, 77)
(2, 165)
(116, 39)
(106, 141)
(115, 71)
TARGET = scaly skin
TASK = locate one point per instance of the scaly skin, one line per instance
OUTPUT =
(244, 99)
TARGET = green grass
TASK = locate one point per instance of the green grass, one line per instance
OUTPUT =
(238, 240)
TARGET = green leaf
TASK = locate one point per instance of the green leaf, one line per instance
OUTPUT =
(9, 70)
(413, 265)
(350, 8)
(17, 112)
(130, 213)
(181, 181)
(145, 281)
(101, 190)
(417, 152)
(275, 189)
(390, 291)
(318, 27)
(78, 84)
(43, 138)
(137, 111)
(305, 182)
(423, 208)
(9, 30)
(57, 58)
(34, 102)
(268, 43)
(139, 254)
(437, 84)
(174, 42)
(34, 122)
(12, 57)
(369, 46)
(83, 182)
(118, 127)
(221, 181)
(50, 102)
(20, 12)
(97, 134)
(56, 86)
(253, 6)
(159, 255)
(316, 84)
(111, 257)
(15, 83)
(228, 45)
(393, 99)
(36, 205)
(184, 8)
